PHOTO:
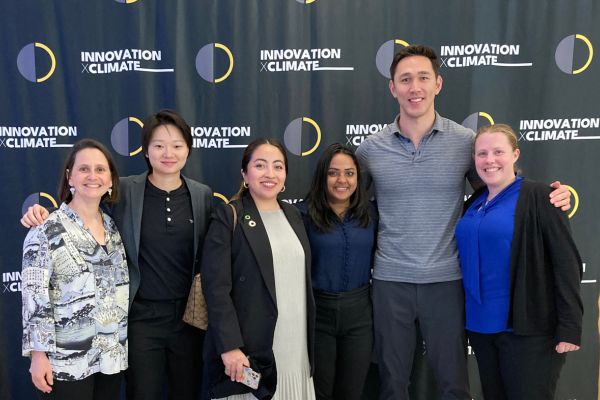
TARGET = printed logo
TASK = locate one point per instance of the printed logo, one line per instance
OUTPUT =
(584, 280)
(385, 55)
(126, 1)
(293, 201)
(481, 54)
(221, 197)
(477, 120)
(205, 62)
(306, 1)
(121, 60)
(295, 141)
(356, 134)
(35, 69)
(576, 200)
(534, 130)
(565, 54)
(37, 198)
(119, 137)
(36, 137)
(296, 60)
(219, 137)
(11, 282)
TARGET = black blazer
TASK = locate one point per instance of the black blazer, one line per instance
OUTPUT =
(127, 213)
(239, 286)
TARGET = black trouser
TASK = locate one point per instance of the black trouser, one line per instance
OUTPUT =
(95, 387)
(439, 310)
(165, 353)
(513, 367)
(343, 343)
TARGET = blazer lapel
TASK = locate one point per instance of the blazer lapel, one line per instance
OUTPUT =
(195, 212)
(137, 207)
(256, 235)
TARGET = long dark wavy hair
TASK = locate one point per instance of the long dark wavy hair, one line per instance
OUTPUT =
(319, 210)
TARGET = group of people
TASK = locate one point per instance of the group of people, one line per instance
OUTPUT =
(301, 295)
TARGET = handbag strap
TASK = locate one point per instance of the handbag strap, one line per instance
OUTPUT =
(234, 216)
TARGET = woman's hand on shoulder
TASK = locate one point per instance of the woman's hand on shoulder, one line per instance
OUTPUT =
(35, 215)
(564, 347)
(41, 371)
(560, 196)
(235, 361)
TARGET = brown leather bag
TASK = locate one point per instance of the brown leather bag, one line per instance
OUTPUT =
(195, 312)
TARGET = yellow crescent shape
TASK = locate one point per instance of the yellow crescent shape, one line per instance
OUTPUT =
(226, 50)
(220, 196)
(591, 53)
(576, 197)
(46, 195)
(141, 124)
(402, 42)
(52, 61)
(316, 126)
(310, 1)
(130, 1)
(487, 116)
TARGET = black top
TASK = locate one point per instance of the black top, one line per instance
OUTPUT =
(166, 255)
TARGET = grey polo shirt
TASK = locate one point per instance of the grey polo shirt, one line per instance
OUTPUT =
(419, 193)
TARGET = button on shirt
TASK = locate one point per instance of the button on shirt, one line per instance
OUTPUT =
(166, 255)
(484, 238)
(342, 257)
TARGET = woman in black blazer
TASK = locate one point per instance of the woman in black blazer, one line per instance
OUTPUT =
(256, 280)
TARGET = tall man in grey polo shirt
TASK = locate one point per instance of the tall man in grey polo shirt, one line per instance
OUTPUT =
(418, 165)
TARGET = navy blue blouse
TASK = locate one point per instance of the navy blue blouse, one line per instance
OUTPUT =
(341, 258)
(484, 238)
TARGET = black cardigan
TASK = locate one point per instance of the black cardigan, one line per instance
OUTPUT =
(545, 268)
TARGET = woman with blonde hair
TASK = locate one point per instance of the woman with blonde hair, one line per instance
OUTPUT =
(521, 274)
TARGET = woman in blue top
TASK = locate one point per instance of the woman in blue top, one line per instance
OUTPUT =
(341, 226)
(521, 274)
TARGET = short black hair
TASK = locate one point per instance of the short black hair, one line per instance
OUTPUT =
(416, 50)
(164, 117)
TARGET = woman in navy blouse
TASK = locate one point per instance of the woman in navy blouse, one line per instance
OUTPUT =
(341, 226)
(521, 274)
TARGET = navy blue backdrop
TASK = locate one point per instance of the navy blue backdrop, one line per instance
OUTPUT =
(310, 72)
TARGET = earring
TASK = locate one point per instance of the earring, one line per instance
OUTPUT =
(245, 185)
(109, 191)
(72, 190)
(283, 189)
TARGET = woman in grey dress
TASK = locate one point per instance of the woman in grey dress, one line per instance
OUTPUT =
(256, 280)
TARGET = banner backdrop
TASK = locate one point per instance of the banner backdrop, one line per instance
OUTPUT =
(309, 72)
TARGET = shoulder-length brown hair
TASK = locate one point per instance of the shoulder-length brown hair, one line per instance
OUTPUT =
(63, 187)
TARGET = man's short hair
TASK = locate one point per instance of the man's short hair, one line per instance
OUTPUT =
(416, 50)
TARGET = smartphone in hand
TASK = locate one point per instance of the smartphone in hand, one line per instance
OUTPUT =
(251, 378)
